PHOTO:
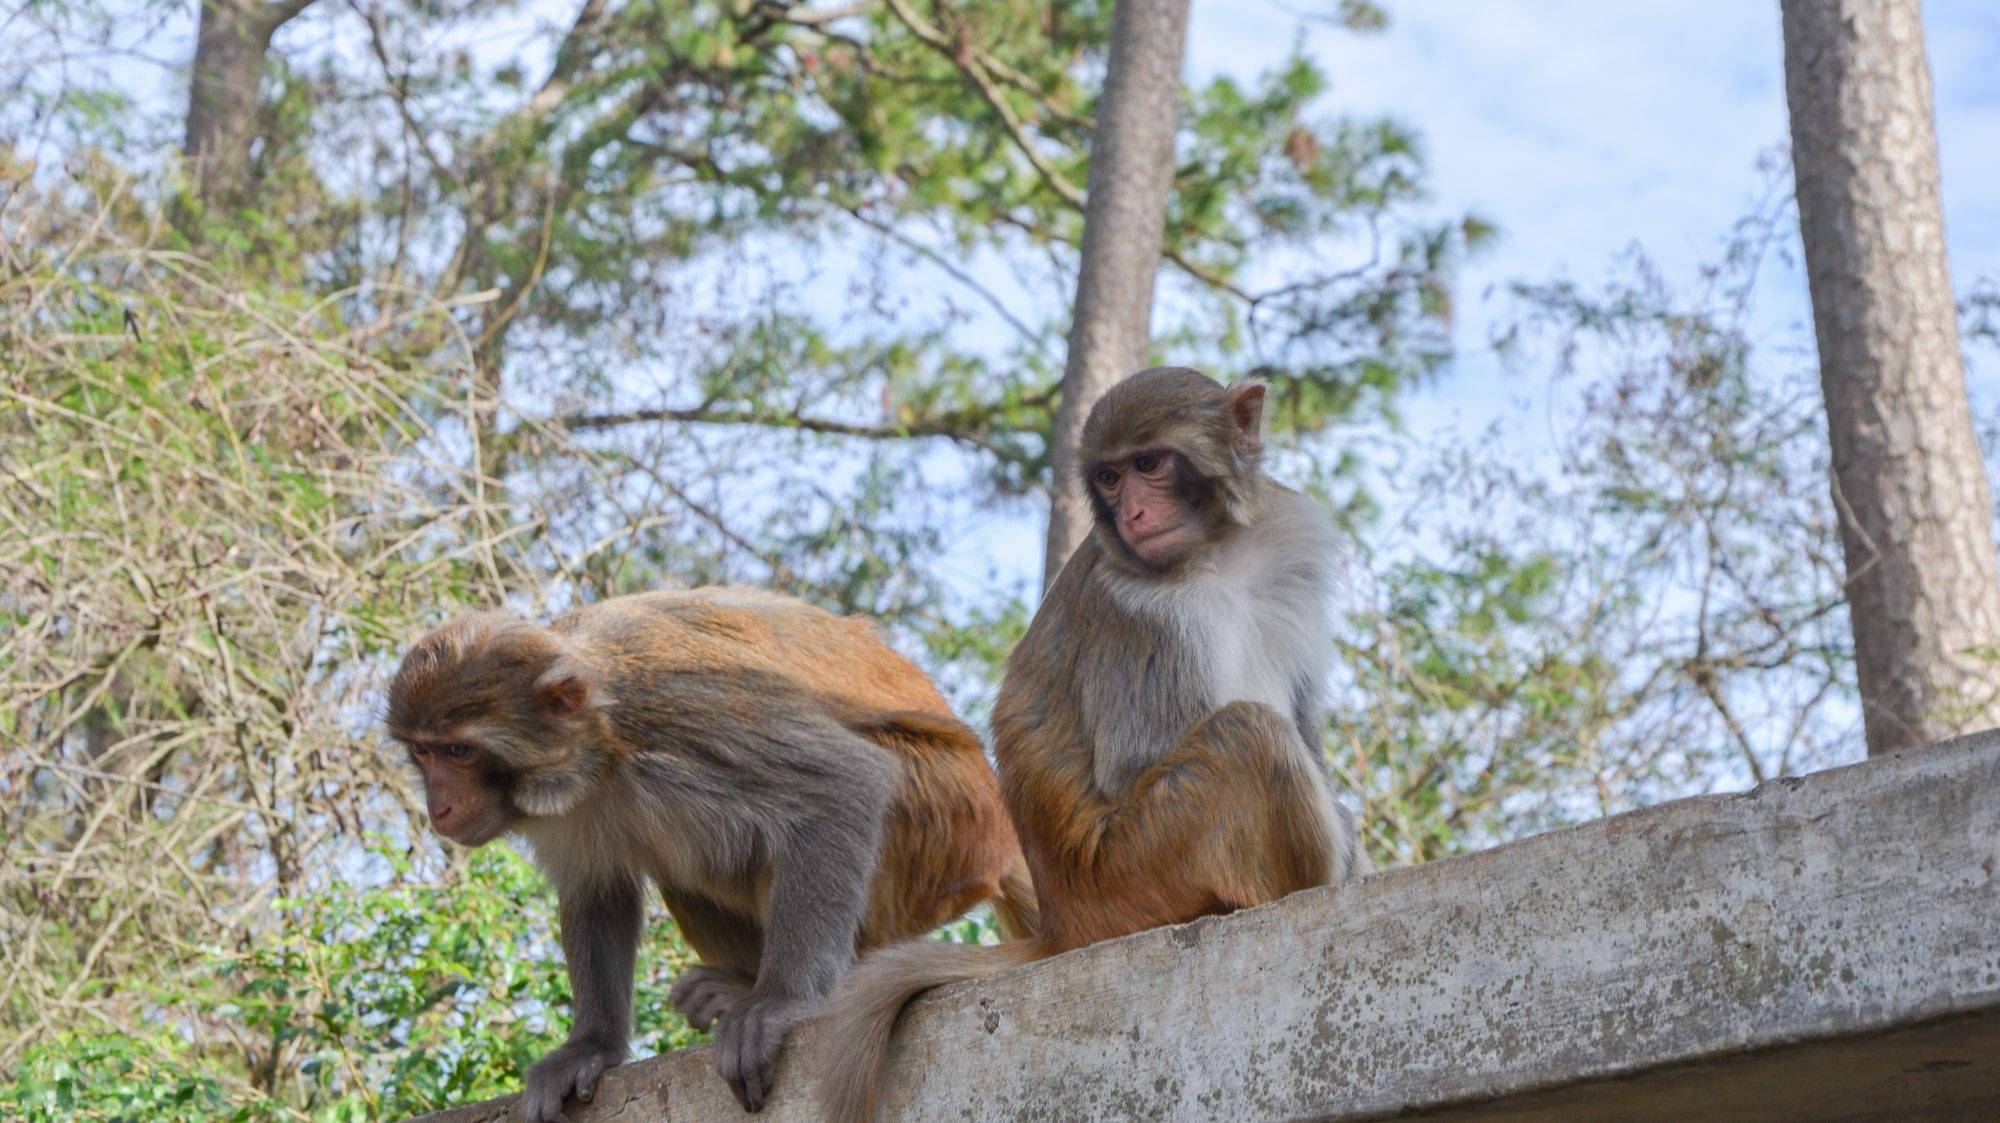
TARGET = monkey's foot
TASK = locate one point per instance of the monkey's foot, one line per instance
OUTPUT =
(706, 995)
(747, 1043)
(571, 1070)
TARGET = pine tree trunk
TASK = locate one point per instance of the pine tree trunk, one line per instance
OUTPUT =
(1909, 485)
(232, 42)
(1131, 172)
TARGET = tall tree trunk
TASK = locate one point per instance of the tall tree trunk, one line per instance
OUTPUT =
(1131, 171)
(1909, 486)
(232, 42)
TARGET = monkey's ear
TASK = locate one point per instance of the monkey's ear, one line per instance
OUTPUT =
(567, 689)
(1245, 401)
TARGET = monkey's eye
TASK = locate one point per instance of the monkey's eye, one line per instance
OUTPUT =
(1147, 463)
(455, 752)
(1107, 478)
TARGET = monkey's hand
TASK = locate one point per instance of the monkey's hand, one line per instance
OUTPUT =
(705, 995)
(747, 1040)
(572, 1069)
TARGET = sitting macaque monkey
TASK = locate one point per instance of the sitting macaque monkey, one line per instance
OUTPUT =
(795, 789)
(1158, 728)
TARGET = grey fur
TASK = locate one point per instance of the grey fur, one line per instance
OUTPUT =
(750, 755)
(1309, 714)
(1249, 619)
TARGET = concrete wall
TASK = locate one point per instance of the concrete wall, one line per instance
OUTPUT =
(1824, 947)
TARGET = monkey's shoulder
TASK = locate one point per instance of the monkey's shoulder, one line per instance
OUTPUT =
(1293, 519)
(1291, 555)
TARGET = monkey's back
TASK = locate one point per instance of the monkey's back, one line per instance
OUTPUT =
(837, 658)
(947, 839)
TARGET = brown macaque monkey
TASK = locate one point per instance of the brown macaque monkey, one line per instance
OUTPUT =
(795, 789)
(1158, 728)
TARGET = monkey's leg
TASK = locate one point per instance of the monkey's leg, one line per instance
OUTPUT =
(729, 944)
(1232, 816)
(600, 941)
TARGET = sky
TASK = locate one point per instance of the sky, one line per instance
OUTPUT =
(1582, 127)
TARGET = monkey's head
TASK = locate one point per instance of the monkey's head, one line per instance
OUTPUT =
(1171, 460)
(501, 721)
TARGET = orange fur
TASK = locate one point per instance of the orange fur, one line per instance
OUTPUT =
(1228, 819)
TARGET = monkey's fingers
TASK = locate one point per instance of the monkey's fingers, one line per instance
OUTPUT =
(747, 1055)
(566, 1072)
(731, 1060)
(700, 1006)
(540, 1103)
(587, 1073)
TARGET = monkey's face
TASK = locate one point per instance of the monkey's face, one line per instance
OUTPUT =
(1171, 460)
(1149, 498)
(465, 791)
(500, 723)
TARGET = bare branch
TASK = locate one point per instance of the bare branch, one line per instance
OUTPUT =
(961, 276)
(810, 17)
(965, 428)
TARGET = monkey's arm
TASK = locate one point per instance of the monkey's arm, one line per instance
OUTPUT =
(600, 940)
(1310, 715)
(1348, 858)
(823, 856)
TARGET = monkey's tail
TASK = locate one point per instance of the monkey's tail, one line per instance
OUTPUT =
(1019, 911)
(862, 1013)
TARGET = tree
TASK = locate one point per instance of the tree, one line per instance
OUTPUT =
(1908, 482)
(232, 42)
(1131, 172)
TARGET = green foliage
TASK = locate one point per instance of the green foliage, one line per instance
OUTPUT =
(668, 145)
(241, 514)
(355, 1004)
(115, 1078)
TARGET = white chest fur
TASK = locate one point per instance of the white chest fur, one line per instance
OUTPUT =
(1253, 652)
(1256, 616)
(1264, 625)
